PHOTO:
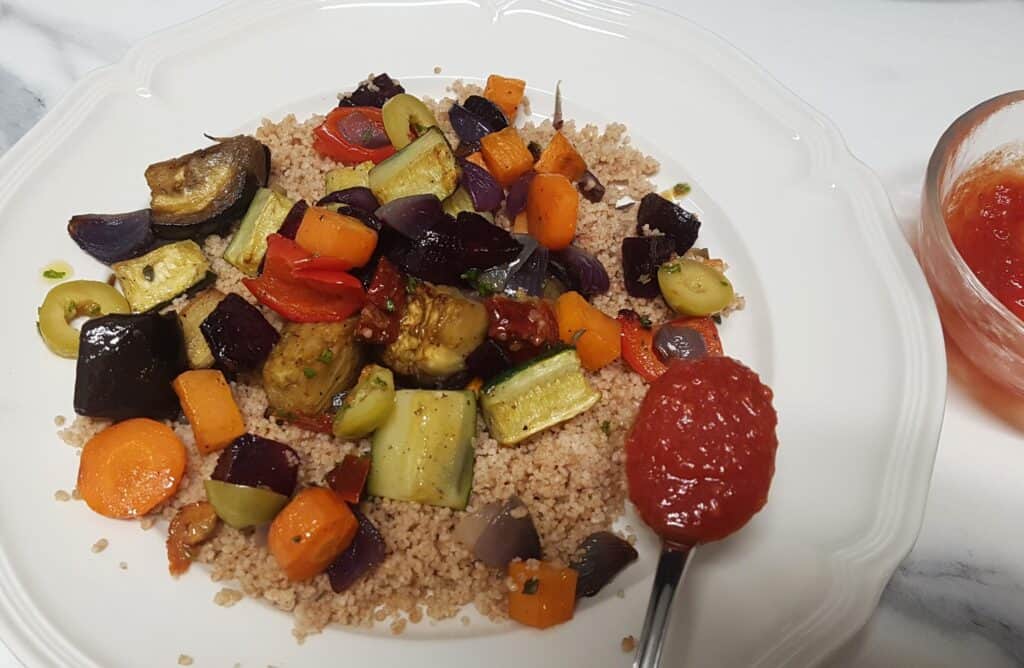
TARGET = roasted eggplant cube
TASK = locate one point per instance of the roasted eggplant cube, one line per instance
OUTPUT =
(239, 337)
(126, 364)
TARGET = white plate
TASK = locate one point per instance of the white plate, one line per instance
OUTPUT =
(839, 321)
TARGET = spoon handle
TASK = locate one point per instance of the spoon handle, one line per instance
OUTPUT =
(671, 568)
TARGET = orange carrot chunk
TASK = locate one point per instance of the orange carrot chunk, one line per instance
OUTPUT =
(210, 408)
(544, 596)
(506, 93)
(561, 157)
(597, 337)
(310, 532)
(326, 232)
(552, 205)
(506, 155)
(129, 468)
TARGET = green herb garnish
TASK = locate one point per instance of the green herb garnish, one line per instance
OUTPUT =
(326, 356)
(531, 586)
(411, 283)
(645, 322)
(309, 372)
(389, 305)
(53, 273)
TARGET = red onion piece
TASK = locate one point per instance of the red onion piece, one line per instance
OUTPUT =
(485, 192)
(366, 552)
(358, 196)
(515, 203)
(602, 556)
(112, 237)
(290, 226)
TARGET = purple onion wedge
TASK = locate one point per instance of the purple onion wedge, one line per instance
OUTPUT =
(412, 216)
(468, 127)
(486, 111)
(366, 552)
(602, 556)
(372, 93)
(641, 257)
(484, 244)
(657, 213)
(515, 203)
(239, 337)
(590, 187)
(580, 271)
(290, 226)
(112, 237)
(358, 196)
(504, 531)
(485, 192)
(255, 461)
(487, 360)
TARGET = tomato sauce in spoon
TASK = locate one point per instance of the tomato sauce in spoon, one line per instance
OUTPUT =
(701, 453)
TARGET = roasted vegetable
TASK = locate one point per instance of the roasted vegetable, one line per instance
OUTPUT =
(530, 398)
(365, 553)
(254, 461)
(352, 135)
(130, 467)
(406, 118)
(426, 166)
(348, 478)
(460, 201)
(112, 237)
(126, 364)
(192, 525)
(561, 157)
(354, 176)
(239, 337)
(523, 327)
(360, 197)
(265, 216)
(290, 226)
(641, 257)
(595, 335)
(692, 287)
(602, 556)
(439, 329)
(191, 317)
(505, 92)
(332, 234)
(499, 533)
(385, 304)
(485, 192)
(368, 405)
(67, 301)
(506, 156)
(657, 213)
(205, 191)
(311, 531)
(579, 270)
(312, 363)
(210, 408)
(373, 92)
(242, 507)
(424, 451)
(153, 279)
(591, 189)
(552, 207)
(488, 112)
(544, 595)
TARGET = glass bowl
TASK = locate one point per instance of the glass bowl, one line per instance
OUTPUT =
(987, 333)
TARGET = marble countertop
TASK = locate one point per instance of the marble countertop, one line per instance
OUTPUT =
(892, 74)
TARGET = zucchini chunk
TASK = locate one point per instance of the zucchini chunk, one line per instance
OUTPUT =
(460, 201)
(368, 405)
(424, 450)
(425, 167)
(265, 216)
(191, 317)
(153, 279)
(341, 178)
(311, 363)
(534, 396)
(205, 191)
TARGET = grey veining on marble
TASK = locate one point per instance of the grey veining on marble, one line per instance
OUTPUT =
(20, 108)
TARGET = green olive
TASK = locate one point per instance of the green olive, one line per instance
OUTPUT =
(241, 506)
(405, 118)
(71, 300)
(694, 288)
(368, 405)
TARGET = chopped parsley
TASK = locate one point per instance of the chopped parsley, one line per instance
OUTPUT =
(473, 276)
(671, 267)
(531, 586)
(389, 305)
(53, 273)
(411, 283)
(309, 372)
(606, 427)
(645, 322)
(326, 356)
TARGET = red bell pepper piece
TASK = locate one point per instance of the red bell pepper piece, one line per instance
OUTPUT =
(348, 478)
(298, 298)
(638, 342)
(352, 135)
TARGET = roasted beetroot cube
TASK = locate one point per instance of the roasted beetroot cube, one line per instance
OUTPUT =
(126, 364)
(255, 461)
(365, 553)
(238, 335)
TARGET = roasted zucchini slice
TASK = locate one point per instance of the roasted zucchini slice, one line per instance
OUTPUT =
(265, 216)
(153, 279)
(191, 317)
(425, 167)
(340, 178)
(205, 191)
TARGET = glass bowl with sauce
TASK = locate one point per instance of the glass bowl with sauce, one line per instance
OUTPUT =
(971, 237)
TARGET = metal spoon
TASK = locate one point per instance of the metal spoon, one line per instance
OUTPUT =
(672, 565)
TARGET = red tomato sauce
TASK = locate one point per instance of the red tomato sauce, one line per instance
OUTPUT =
(701, 453)
(985, 216)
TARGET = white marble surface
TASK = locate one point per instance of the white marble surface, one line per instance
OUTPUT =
(892, 74)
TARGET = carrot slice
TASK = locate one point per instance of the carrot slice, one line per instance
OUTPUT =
(552, 205)
(506, 155)
(310, 532)
(545, 594)
(505, 92)
(129, 468)
(326, 232)
(597, 336)
(561, 157)
(210, 408)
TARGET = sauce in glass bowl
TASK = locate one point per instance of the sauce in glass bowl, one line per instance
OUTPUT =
(984, 211)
